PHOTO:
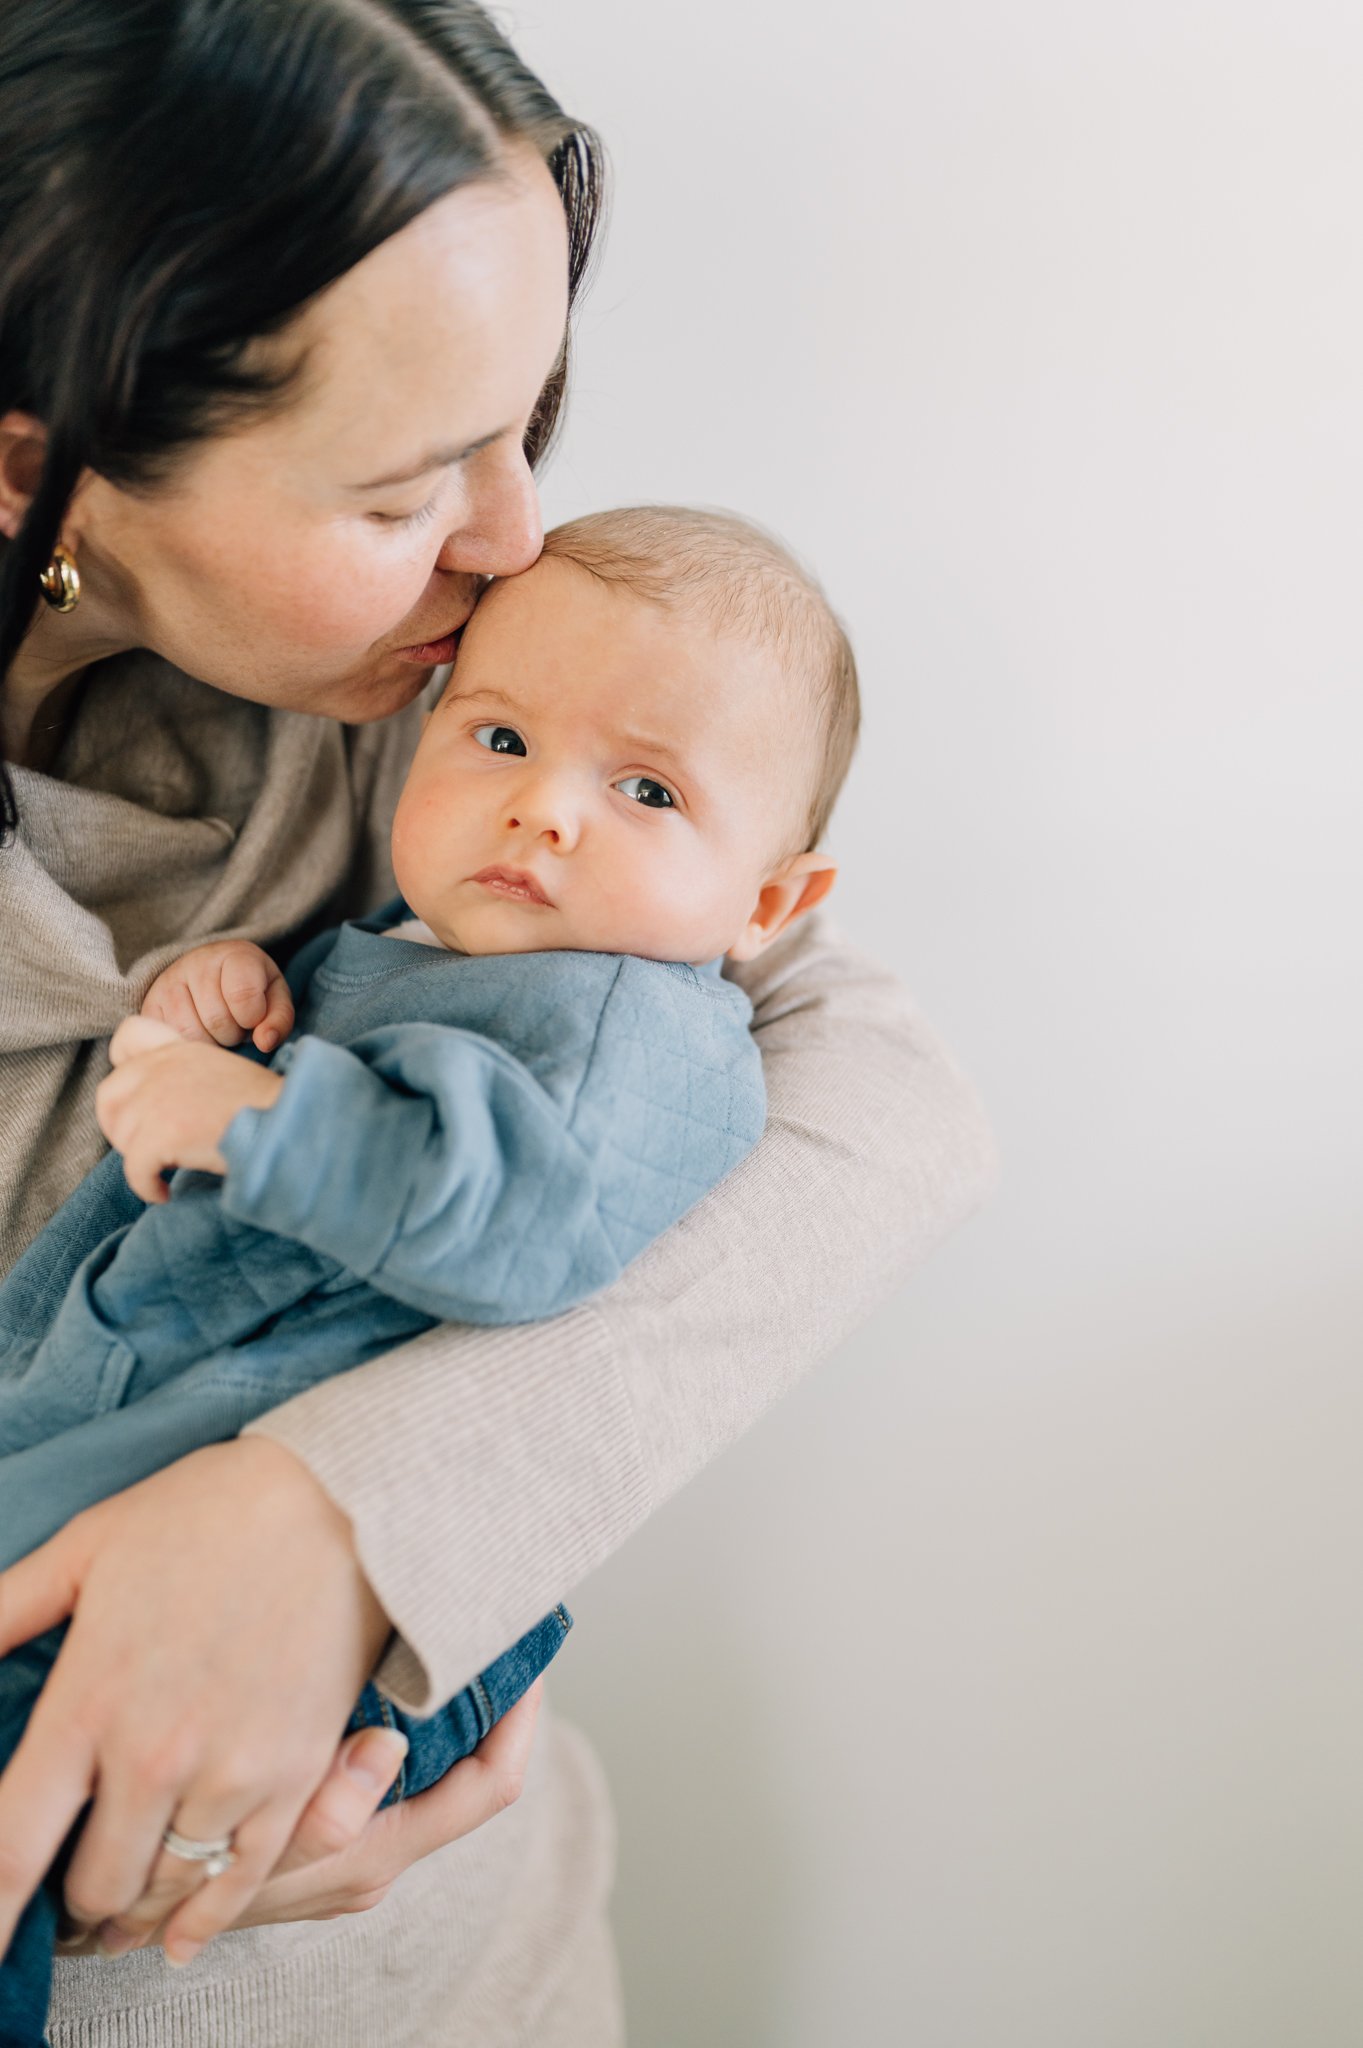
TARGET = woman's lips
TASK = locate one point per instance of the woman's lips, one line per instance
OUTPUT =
(512, 882)
(432, 653)
(435, 653)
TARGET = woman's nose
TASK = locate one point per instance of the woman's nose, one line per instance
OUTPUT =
(501, 532)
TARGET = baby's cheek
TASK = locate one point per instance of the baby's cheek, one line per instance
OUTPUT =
(405, 844)
(689, 908)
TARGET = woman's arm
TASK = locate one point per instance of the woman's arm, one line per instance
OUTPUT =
(485, 1472)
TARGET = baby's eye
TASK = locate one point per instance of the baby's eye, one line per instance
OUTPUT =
(500, 739)
(645, 790)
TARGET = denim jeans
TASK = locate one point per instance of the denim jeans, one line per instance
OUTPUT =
(437, 1743)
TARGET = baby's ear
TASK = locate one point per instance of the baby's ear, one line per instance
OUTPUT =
(797, 885)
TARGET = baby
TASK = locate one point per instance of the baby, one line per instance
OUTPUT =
(501, 1087)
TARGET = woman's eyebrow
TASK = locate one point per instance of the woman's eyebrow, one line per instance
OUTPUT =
(435, 458)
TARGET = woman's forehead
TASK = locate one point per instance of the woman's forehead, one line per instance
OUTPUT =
(438, 339)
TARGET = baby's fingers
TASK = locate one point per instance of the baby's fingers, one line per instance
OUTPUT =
(143, 1167)
(138, 1035)
(275, 1026)
(170, 1001)
(253, 993)
(227, 991)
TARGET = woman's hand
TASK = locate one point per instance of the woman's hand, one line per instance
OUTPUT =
(319, 1879)
(221, 1632)
(478, 1788)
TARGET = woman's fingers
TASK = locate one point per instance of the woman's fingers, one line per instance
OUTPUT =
(477, 1788)
(180, 1603)
(48, 1780)
(40, 1590)
(194, 1907)
(49, 1776)
(121, 1872)
(501, 1760)
(344, 1804)
(117, 1853)
(357, 1877)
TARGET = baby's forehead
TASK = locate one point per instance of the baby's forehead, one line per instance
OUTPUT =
(633, 645)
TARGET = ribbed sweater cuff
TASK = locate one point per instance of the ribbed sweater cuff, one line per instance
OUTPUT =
(465, 1461)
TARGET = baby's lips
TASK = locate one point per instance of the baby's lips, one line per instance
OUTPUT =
(513, 879)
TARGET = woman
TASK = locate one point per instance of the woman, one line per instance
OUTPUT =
(283, 295)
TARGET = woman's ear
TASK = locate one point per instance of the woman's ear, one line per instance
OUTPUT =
(23, 449)
(797, 885)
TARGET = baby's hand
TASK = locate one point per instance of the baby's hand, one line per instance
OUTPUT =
(168, 1104)
(214, 995)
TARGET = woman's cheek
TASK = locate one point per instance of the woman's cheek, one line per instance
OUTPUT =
(356, 600)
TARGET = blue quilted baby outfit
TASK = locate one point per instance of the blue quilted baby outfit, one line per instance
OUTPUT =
(475, 1139)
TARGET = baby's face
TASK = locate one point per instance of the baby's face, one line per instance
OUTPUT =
(599, 774)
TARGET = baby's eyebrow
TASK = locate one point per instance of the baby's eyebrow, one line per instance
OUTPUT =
(628, 741)
(657, 750)
(481, 693)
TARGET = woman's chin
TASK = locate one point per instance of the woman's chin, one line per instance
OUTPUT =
(382, 695)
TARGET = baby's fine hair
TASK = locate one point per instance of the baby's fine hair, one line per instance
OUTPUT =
(743, 581)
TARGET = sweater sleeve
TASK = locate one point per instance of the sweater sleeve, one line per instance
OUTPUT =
(486, 1472)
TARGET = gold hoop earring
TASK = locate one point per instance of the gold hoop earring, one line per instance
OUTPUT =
(60, 580)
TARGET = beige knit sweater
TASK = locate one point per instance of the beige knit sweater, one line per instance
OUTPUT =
(485, 1471)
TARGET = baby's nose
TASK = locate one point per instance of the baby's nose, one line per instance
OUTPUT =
(548, 816)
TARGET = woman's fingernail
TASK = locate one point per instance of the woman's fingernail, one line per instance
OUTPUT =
(376, 1757)
(181, 1952)
(113, 1941)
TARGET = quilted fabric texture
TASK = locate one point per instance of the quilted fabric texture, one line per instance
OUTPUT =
(483, 1139)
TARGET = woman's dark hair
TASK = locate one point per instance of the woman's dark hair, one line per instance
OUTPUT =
(179, 177)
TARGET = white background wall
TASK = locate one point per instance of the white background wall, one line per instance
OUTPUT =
(1004, 1689)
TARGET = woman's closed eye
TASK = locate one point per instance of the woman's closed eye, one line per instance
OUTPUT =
(499, 739)
(643, 789)
(421, 517)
